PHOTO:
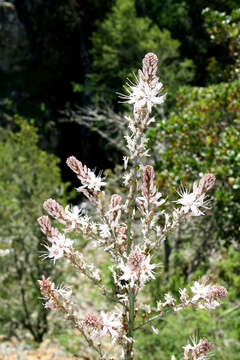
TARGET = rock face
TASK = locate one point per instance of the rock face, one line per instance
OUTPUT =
(13, 39)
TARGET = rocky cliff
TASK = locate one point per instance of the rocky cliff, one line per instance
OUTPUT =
(13, 40)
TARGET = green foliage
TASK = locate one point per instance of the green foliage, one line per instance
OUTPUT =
(200, 136)
(203, 136)
(121, 39)
(185, 21)
(225, 29)
(222, 326)
(176, 330)
(28, 176)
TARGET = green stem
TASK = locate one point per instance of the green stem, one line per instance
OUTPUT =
(131, 314)
(130, 331)
(156, 317)
(132, 200)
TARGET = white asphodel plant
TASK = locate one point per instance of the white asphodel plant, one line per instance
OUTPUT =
(113, 230)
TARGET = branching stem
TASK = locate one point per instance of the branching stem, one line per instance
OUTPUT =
(156, 317)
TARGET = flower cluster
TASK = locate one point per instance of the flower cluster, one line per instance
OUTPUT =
(102, 325)
(193, 201)
(109, 229)
(145, 93)
(60, 246)
(137, 268)
(55, 298)
(204, 296)
(46, 227)
(114, 230)
(87, 177)
(199, 351)
(208, 296)
(148, 203)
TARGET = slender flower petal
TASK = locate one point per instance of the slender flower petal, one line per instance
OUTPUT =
(73, 216)
(207, 296)
(102, 325)
(60, 246)
(111, 325)
(137, 268)
(145, 93)
(191, 202)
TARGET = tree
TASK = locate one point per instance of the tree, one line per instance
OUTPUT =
(225, 29)
(123, 37)
(186, 22)
(205, 131)
(27, 175)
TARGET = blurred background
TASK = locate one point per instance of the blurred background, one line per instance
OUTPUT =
(62, 63)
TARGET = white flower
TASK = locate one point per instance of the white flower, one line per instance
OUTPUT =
(148, 96)
(155, 330)
(209, 304)
(131, 143)
(104, 231)
(169, 300)
(184, 297)
(125, 161)
(111, 325)
(73, 215)
(200, 291)
(94, 182)
(50, 304)
(137, 268)
(207, 296)
(141, 95)
(65, 293)
(55, 252)
(134, 92)
(84, 223)
(154, 199)
(103, 325)
(60, 245)
(191, 201)
(62, 242)
(126, 178)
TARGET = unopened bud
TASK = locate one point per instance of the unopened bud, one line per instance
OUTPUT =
(55, 210)
(148, 179)
(115, 200)
(206, 183)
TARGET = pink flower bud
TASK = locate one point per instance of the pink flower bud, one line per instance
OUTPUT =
(115, 201)
(202, 348)
(55, 210)
(206, 183)
(135, 259)
(46, 227)
(148, 180)
(75, 165)
(91, 320)
(217, 292)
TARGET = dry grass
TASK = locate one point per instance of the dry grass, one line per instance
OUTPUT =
(16, 350)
